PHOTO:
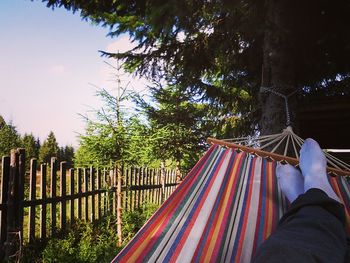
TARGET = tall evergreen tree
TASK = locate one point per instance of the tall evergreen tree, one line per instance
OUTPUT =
(115, 135)
(49, 149)
(140, 141)
(182, 122)
(66, 154)
(9, 137)
(223, 47)
(105, 138)
(31, 145)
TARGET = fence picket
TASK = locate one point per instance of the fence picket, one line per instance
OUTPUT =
(53, 194)
(32, 196)
(105, 194)
(153, 182)
(129, 189)
(12, 206)
(135, 192)
(5, 174)
(92, 187)
(21, 174)
(79, 190)
(71, 192)
(92, 194)
(43, 197)
(63, 203)
(86, 199)
(99, 186)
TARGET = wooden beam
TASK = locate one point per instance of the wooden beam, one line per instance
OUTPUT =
(274, 156)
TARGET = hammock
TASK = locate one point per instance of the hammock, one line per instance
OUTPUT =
(224, 209)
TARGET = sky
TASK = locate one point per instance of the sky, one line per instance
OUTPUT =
(50, 67)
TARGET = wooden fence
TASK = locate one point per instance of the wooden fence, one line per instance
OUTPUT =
(44, 202)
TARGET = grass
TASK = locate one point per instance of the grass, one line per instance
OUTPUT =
(85, 242)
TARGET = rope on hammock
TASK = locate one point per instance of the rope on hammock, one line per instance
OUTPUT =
(283, 147)
(285, 97)
(287, 144)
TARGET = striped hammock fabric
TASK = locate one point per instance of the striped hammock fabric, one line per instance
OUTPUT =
(224, 209)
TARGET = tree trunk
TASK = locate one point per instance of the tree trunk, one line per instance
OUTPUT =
(278, 66)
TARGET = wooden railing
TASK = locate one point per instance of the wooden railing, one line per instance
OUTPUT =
(40, 203)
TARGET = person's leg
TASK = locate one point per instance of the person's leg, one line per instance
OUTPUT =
(312, 230)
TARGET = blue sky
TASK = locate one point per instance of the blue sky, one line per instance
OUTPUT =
(48, 61)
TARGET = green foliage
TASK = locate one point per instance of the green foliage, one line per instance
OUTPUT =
(103, 143)
(115, 135)
(134, 220)
(31, 146)
(84, 243)
(84, 157)
(105, 137)
(139, 148)
(182, 124)
(66, 154)
(220, 48)
(49, 149)
(9, 137)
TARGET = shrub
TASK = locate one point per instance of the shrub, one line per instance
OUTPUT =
(85, 242)
(134, 220)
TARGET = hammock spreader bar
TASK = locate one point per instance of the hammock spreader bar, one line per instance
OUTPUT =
(274, 156)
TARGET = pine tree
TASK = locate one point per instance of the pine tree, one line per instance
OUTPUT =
(106, 138)
(9, 137)
(66, 154)
(31, 146)
(115, 135)
(220, 48)
(181, 123)
(49, 149)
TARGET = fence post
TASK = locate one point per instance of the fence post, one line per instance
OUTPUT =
(99, 187)
(79, 191)
(86, 189)
(111, 194)
(71, 192)
(14, 208)
(5, 174)
(63, 203)
(162, 181)
(32, 196)
(119, 204)
(134, 194)
(53, 194)
(106, 194)
(43, 214)
(178, 173)
(92, 187)
(126, 192)
(22, 172)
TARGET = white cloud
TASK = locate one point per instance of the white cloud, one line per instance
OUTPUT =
(57, 70)
(122, 44)
(108, 74)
